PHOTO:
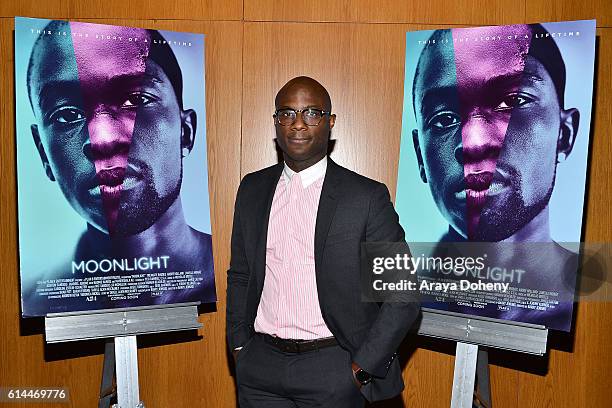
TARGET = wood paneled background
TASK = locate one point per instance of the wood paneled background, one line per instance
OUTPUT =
(359, 57)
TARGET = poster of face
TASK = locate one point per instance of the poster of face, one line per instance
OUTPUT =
(493, 157)
(113, 201)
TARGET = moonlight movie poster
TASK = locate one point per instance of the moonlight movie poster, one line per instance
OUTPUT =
(493, 162)
(112, 172)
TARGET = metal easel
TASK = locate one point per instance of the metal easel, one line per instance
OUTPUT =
(120, 326)
(471, 361)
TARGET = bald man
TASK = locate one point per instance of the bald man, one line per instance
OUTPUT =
(296, 325)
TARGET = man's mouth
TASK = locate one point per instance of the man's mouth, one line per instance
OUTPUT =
(478, 186)
(298, 140)
(112, 191)
(110, 182)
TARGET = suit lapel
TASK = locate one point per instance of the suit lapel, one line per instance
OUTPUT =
(263, 215)
(326, 211)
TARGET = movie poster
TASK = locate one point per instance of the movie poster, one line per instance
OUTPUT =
(112, 173)
(493, 162)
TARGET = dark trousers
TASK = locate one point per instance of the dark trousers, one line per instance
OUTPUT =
(270, 378)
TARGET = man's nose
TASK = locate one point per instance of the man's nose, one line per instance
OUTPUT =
(298, 123)
(108, 137)
(481, 139)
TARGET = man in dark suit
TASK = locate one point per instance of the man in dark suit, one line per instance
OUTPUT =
(298, 330)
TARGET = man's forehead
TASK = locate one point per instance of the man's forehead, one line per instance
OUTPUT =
(303, 94)
(300, 90)
(53, 60)
(436, 68)
(61, 59)
(111, 55)
(536, 71)
(506, 43)
(474, 62)
(129, 34)
(478, 59)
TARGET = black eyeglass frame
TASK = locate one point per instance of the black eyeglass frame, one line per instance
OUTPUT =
(296, 111)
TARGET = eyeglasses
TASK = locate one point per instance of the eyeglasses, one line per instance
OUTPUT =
(310, 116)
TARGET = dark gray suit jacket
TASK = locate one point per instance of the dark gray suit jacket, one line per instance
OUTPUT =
(352, 209)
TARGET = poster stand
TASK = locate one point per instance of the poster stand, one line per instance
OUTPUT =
(470, 333)
(120, 326)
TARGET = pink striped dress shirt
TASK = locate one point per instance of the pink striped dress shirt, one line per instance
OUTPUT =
(289, 306)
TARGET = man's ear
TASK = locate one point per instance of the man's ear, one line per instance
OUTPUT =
(189, 122)
(417, 150)
(41, 152)
(570, 119)
(332, 120)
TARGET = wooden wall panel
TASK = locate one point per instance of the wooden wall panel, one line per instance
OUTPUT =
(140, 9)
(504, 385)
(147, 9)
(34, 8)
(424, 366)
(179, 374)
(475, 12)
(544, 10)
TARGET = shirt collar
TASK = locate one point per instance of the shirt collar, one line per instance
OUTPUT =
(309, 175)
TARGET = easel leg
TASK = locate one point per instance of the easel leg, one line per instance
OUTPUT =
(127, 372)
(464, 376)
(108, 373)
(483, 379)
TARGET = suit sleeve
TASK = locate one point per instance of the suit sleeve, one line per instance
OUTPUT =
(394, 318)
(237, 282)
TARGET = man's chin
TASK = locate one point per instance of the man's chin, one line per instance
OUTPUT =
(299, 156)
(487, 229)
(500, 224)
(122, 229)
(130, 227)
(495, 234)
(97, 226)
(457, 222)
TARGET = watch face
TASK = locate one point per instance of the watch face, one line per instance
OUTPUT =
(363, 377)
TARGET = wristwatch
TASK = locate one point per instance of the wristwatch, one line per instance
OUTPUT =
(362, 376)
